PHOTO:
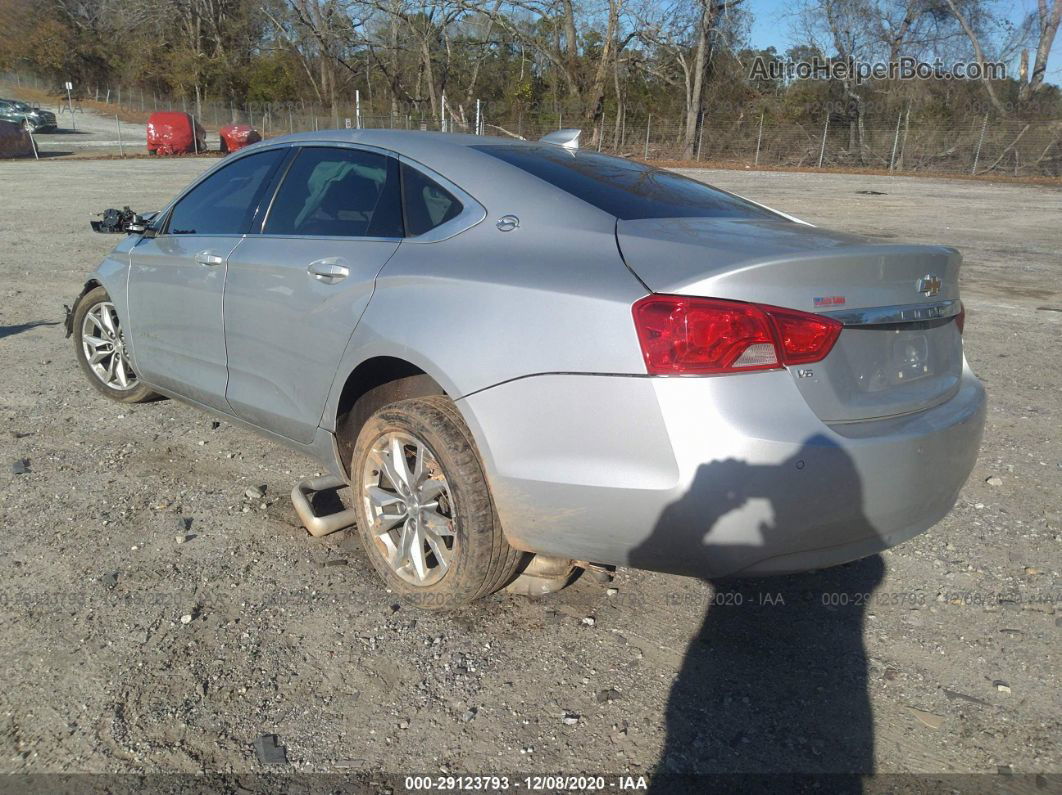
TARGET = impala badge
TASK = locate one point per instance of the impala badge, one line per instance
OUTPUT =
(929, 285)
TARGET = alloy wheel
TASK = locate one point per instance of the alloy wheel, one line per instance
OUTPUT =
(103, 344)
(410, 506)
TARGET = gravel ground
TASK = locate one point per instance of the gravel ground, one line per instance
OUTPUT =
(126, 651)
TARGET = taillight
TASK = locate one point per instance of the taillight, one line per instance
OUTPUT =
(700, 336)
(804, 337)
(960, 319)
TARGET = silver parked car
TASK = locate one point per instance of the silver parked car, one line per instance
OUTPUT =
(524, 356)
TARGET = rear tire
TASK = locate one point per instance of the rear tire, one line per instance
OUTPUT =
(99, 344)
(449, 525)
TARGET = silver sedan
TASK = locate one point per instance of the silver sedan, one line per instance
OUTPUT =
(526, 358)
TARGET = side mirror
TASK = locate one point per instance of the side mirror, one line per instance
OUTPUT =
(123, 221)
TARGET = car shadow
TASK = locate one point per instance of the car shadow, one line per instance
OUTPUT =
(775, 680)
(63, 131)
(10, 331)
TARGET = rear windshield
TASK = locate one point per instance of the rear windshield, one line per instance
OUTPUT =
(624, 188)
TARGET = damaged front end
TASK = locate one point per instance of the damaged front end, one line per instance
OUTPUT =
(115, 222)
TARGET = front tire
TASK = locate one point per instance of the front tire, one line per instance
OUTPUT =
(99, 344)
(424, 511)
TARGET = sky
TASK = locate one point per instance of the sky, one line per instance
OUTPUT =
(773, 22)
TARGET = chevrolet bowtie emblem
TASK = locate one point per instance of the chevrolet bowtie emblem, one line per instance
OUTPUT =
(929, 285)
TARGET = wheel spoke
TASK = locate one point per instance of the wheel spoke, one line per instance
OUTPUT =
(436, 523)
(382, 498)
(386, 520)
(111, 366)
(100, 355)
(405, 541)
(397, 450)
(123, 380)
(416, 554)
(439, 548)
(385, 464)
(430, 489)
(109, 321)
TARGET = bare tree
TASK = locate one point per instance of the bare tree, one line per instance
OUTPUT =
(964, 18)
(1048, 16)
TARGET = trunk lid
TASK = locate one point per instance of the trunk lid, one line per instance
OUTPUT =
(900, 350)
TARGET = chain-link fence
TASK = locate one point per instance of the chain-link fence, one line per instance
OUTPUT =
(985, 145)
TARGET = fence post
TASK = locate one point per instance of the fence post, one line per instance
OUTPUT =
(981, 140)
(442, 114)
(700, 139)
(357, 108)
(759, 138)
(70, 107)
(903, 141)
(895, 142)
(118, 124)
(822, 149)
(601, 131)
(195, 138)
(648, 124)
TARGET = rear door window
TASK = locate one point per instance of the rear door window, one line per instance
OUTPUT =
(335, 192)
(224, 202)
(426, 203)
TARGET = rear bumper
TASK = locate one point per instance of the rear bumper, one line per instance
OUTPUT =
(714, 476)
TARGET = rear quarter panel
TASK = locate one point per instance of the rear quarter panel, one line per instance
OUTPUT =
(488, 306)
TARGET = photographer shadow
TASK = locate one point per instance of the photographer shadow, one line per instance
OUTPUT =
(775, 681)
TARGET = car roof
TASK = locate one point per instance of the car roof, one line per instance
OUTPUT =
(398, 140)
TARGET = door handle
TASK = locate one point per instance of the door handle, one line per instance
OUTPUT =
(329, 270)
(208, 258)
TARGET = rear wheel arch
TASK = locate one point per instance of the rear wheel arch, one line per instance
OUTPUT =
(373, 384)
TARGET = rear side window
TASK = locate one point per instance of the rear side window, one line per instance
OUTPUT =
(624, 188)
(222, 204)
(332, 192)
(425, 202)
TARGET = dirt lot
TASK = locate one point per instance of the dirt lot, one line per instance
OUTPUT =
(123, 650)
